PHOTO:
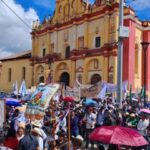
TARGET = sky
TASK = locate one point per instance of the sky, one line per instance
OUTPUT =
(15, 36)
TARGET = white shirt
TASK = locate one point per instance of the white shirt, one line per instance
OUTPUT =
(40, 141)
(44, 136)
(142, 125)
(90, 120)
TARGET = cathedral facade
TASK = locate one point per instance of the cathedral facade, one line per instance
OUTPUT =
(80, 41)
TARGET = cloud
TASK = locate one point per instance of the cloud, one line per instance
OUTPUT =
(140, 4)
(14, 35)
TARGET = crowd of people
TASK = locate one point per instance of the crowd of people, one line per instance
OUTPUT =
(51, 133)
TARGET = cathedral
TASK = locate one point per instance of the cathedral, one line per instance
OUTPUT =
(80, 41)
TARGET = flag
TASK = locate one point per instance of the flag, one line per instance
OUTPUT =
(130, 92)
(15, 88)
(124, 86)
(62, 121)
(142, 92)
(102, 93)
(23, 90)
(136, 95)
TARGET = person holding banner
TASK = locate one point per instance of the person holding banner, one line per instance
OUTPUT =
(74, 124)
(90, 120)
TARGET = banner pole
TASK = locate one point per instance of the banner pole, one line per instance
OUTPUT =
(69, 130)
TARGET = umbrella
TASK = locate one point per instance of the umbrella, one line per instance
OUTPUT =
(12, 102)
(90, 102)
(68, 99)
(147, 111)
(118, 135)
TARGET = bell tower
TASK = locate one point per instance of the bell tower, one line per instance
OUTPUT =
(66, 9)
(62, 10)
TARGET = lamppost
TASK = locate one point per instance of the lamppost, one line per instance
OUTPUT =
(145, 47)
(123, 32)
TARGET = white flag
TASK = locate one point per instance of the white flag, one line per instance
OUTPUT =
(16, 88)
(102, 92)
(23, 90)
(124, 86)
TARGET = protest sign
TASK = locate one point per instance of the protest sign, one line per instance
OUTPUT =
(40, 100)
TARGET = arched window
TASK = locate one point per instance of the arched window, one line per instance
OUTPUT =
(9, 74)
(41, 79)
(43, 52)
(97, 42)
(81, 42)
(65, 78)
(23, 73)
(95, 78)
(67, 52)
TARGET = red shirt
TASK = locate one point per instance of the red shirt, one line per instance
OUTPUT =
(11, 142)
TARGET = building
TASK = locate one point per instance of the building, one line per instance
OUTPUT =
(80, 41)
(15, 68)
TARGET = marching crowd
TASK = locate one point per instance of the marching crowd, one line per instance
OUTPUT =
(51, 133)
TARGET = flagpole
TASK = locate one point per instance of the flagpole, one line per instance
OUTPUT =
(69, 129)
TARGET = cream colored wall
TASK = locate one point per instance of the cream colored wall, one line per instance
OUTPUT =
(88, 30)
(16, 66)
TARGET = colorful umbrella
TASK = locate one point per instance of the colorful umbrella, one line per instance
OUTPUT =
(147, 111)
(118, 135)
(12, 102)
(68, 99)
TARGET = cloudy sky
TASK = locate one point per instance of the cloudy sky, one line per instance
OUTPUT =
(15, 36)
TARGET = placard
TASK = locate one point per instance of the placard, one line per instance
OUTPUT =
(39, 101)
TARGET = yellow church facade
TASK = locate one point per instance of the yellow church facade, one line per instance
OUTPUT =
(78, 42)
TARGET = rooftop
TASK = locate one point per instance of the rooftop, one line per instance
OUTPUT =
(21, 55)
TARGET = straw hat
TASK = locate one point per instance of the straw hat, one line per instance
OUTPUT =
(132, 115)
(22, 108)
(127, 113)
(36, 123)
(21, 125)
(79, 137)
(37, 131)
